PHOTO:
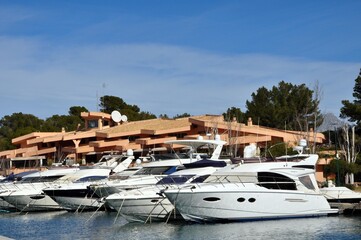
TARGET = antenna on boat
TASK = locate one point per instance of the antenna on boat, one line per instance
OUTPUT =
(301, 146)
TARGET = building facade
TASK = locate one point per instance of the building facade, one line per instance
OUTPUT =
(103, 135)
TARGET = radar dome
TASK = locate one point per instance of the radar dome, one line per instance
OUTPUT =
(138, 162)
(129, 152)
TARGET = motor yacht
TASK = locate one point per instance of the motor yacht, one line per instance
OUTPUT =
(148, 204)
(150, 172)
(253, 191)
(6, 184)
(27, 195)
(338, 194)
(72, 192)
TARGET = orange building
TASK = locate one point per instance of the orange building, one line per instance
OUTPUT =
(102, 134)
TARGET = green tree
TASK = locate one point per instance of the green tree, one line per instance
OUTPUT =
(181, 115)
(279, 149)
(352, 110)
(111, 103)
(339, 168)
(146, 115)
(56, 123)
(70, 122)
(19, 124)
(15, 125)
(164, 116)
(77, 110)
(284, 106)
(234, 112)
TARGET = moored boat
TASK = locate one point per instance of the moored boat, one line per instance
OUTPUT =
(148, 204)
(254, 191)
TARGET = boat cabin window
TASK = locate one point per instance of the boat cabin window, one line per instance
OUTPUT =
(156, 170)
(296, 158)
(272, 180)
(200, 179)
(175, 179)
(91, 178)
(241, 178)
(306, 180)
(18, 176)
(168, 156)
(304, 166)
(40, 179)
(105, 159)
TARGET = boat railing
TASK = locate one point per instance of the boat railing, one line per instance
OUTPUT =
(7, 187)
(274, 182)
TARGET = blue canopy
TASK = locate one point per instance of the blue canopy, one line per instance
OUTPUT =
(205, 163)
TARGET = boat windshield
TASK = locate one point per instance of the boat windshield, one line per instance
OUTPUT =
(200, 179)
(91, 178)
(306, 180)
(40, 179)
(175, 179)
(168, 156)
(18, 176)
(163, 170)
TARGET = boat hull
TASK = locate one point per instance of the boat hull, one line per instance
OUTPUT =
(228, 205)
(73, 204)
(6, 207)
(341, 195)
(32, 202)
(75, 199)
(143, 208)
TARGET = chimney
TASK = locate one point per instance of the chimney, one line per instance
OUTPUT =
(249, 123)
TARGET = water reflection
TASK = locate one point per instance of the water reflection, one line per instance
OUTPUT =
(101, 225)
(309, 228)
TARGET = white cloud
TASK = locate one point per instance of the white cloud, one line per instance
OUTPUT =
(157, 78)
(14, 14)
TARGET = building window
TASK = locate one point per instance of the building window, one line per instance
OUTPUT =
(93, 123)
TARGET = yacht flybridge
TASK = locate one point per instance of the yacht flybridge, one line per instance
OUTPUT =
(150, 173)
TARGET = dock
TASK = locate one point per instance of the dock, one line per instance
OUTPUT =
(347, 208)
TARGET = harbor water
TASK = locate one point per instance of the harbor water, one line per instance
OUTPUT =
(106, 225)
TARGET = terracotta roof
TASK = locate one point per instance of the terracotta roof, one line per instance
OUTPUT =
(32, 135)
(151, 125)
(91, 115)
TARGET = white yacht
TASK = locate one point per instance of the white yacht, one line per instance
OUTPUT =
(301, 159)
(27, 194)
(253, 191)
(72, 192)
(6, 184)
(147, 204)
(335, 195)
(150, 172)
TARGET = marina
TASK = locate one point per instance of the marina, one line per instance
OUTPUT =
(189, 192)
(102, 225)
(180, 120)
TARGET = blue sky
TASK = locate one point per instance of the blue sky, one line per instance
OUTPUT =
(171, 57)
